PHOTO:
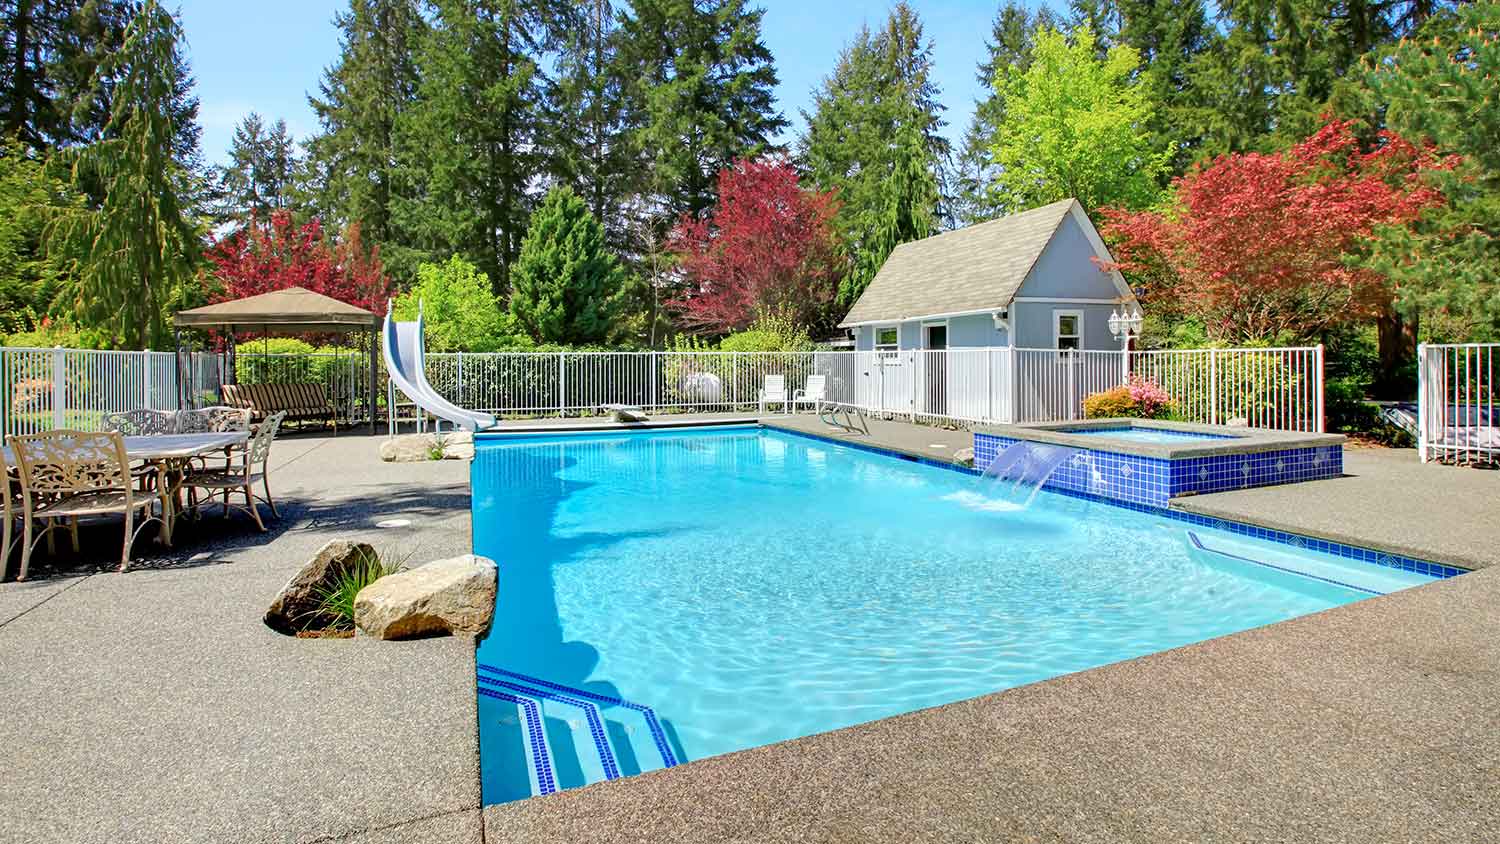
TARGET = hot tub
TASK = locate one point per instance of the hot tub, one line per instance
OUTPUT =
(1149, 462)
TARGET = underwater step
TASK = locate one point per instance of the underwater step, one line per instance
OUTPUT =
(585, 737)
(1305, 570)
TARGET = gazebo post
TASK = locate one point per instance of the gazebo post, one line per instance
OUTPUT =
(373, 341)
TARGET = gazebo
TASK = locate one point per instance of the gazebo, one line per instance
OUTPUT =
(295, 310)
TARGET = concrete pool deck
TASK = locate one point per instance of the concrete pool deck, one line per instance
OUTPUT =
(154, 706)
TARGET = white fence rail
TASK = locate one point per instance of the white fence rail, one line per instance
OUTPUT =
(1274, 388)
(1458, 417)
(73, 388)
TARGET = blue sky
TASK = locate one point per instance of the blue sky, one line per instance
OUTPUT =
(267, 61)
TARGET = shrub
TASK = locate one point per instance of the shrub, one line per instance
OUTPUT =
(1139, 399)
(460, 311)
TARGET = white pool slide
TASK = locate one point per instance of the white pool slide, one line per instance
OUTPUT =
(405, 361)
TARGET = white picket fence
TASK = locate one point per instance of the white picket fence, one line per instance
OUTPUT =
(1273, 388)
(1457, 415)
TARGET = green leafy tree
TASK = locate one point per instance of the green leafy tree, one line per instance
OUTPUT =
(1009, 46)
(567, 286)
(460, 311)
(348, 176)
(468, 147)
(133, 253)
(29, 278)
(874, 136)
(1076, 126)
(1440, 88)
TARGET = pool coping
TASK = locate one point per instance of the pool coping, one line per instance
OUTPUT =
(1242, 440)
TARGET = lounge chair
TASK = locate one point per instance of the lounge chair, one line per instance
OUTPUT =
(245, 468)
(814, 392)
(774, 392)
(70, 474)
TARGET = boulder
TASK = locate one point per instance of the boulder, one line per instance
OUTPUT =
(295, 607)
(456, 595)
(626, 413)
(418, 448)
(964, 457)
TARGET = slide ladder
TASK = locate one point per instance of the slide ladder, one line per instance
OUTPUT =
(406, 363)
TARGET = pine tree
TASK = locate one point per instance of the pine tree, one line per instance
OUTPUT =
(701, 83)
(469, 146)
(874, 136)
(588, 116)
(50, 51)
(1169, 35)
(1009, 46)
(133, 252)
(258, 178)
(567, 286)
(348, 173)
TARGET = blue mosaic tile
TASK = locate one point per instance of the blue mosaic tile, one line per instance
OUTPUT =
(1146, 496)
(590, 713)
(541, 762)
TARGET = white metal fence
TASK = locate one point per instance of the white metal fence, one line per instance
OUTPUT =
(1275, 388)
(74, 388)
(1457, 415)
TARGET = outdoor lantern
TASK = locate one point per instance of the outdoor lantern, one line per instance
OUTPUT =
(1123, 323)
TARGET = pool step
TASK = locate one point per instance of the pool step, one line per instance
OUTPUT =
(571, 736)
(1299, 569)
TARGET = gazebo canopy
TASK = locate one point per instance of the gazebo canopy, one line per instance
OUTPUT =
(294, 308)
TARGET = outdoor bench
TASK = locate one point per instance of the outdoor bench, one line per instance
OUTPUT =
(301, 402)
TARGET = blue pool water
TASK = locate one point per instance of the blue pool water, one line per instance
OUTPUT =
(1146, 435)
(670, 596)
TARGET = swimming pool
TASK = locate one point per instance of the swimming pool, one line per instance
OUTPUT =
(669, 596)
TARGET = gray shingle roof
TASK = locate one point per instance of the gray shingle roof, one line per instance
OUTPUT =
(969, 269)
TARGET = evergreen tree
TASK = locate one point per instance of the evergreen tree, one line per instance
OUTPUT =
(1169, 35)
(701, 84)
(567, 286)
(469, 146)
(588, 116)
(133, 251)
(348, 173)
(50, 51)
(1009, 46)
(1076, 126)
(28, 277)
(258, 178)
(873, 136)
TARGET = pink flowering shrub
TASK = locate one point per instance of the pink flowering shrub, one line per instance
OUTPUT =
(1139, 399)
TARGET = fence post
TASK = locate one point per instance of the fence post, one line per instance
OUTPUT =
(459, 399)
(146, 378)
(1213, 386)
(1013, 387)
(914, 379)
(59, 376)
(1422, 403)
(1071, 361)
(1318, 385)
(562, 385)
(655, 370)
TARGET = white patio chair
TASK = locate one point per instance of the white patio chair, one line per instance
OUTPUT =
(774, 392)
(814, 392)
(245, 468)
(141, 422)
(70, 474)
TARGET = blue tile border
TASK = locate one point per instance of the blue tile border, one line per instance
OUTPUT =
(541, 762)
(658, 736)
(1198, 543)
(1296, 540)
(590, 712)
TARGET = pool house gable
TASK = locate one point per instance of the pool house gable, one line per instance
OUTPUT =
(1029, 280)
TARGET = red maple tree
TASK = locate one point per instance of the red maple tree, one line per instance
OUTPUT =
(277, 253)
(1257, 245)
(767, 246)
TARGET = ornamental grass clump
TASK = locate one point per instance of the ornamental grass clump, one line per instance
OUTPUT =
(1139, 399)
(336, 599)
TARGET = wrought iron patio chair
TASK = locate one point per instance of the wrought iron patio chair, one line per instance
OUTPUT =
(245, 468)
(71, 474)
(12, 510)
(217, 419)
(141, 422)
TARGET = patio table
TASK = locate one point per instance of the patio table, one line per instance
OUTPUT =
(172, 452)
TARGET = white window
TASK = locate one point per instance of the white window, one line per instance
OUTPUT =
(1067, 330)
(886, 338)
